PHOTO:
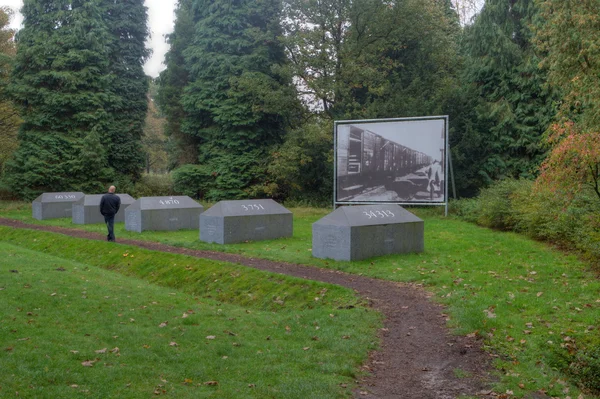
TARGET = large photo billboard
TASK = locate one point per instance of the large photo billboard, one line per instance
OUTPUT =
(399, 160)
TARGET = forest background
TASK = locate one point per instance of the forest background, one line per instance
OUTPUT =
(246, 104)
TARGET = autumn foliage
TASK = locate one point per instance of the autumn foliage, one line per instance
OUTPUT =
(573, 162)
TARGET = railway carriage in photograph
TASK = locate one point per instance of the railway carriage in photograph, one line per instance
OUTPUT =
(366, 160)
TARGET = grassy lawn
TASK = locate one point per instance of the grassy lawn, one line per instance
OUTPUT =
(533, 306)
(80, 319)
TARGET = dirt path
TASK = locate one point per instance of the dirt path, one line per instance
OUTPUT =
(418, 359)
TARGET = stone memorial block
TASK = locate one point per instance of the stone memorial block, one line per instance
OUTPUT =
(365, 231)
(229, 222)
(163, 213)
(87, 209)
(54, 205)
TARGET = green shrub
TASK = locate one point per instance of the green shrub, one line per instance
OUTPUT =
(193, 180)
(514, 205)
(152, 185)
(467, 209)
(586, 369)
(580, 361)
(5, 193)
(495, 203)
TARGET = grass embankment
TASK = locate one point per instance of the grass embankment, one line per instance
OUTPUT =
(93, 319)
(536, 308)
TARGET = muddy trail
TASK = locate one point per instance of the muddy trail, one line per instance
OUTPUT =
(418, 358)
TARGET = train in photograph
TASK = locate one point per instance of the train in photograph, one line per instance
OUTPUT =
(366, 160)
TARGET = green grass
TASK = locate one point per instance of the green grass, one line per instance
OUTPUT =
(531, 305)
(70, 298)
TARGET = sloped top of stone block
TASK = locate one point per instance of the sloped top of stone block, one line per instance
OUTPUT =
(59, 197)
(154, 203)
(367, 215)
(246, 208)
(94, 199)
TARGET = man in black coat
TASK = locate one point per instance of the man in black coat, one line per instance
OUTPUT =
(109, 206)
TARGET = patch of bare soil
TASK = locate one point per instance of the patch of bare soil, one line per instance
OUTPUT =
(418, 359)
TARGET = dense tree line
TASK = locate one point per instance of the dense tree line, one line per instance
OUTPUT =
(251, 90)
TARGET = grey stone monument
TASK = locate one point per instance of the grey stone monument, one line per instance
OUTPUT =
(54, 205)
(365, 231)
(87, 209)
(229, 222)
(163, 213)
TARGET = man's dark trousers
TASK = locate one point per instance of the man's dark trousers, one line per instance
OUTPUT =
(110, 224)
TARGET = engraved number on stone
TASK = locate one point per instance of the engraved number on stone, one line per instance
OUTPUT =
(168, 202)
(64, 196)
(379, 214)
(253, 207)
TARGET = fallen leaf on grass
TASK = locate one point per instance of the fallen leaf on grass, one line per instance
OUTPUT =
(74, 352)
(211, 383)
(306, 348)
(88, 363)
(74, 386)
(114, 350)
(101, 351)
(173, 343)
(163, 324)
(184, 316)
(539, 294)
(210, 337)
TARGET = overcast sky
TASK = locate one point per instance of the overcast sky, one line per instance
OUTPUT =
(160, 21)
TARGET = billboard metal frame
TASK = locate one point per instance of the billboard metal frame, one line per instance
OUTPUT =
(444, 118)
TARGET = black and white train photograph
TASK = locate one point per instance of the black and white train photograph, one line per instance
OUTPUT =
(400, 160)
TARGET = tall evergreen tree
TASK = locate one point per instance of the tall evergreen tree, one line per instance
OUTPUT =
(237, 101)
(127, 24)
(183, 148)
(61, 87)
(77, 67)
(512, 106)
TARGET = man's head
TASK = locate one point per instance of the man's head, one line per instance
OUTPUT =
(112, 189)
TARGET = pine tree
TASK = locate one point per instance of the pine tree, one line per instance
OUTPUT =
(126, 22)
(183, 148)
(237, 101)
(513, 107)
(61, 87)
(77, 82)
